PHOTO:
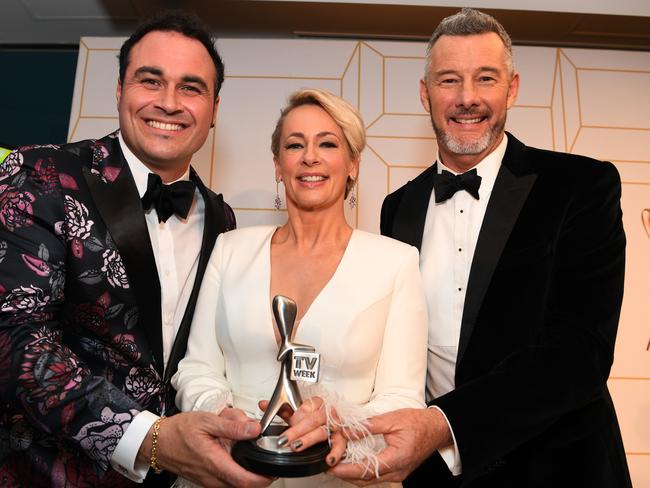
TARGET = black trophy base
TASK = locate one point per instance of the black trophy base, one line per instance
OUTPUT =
(252, 457)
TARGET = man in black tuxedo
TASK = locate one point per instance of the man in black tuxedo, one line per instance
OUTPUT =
(522, 257)
(103, 244)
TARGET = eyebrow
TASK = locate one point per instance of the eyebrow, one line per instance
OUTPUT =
(152, 70)
(148, 70)
(320, 134)
(489, 69)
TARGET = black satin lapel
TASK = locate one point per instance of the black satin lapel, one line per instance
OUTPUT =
(408, 223)
(119, 205)
(508, 196)
(214, 224)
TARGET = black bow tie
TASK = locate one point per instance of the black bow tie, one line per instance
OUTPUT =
(168, 199)
(446, 184)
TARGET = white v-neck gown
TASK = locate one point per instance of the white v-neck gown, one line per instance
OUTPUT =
(368, 323)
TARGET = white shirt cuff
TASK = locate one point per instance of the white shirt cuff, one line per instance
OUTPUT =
(450, 454)
(124, 459)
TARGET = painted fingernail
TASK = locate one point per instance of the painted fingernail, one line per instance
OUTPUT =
(297, 444)
(331, 460)
(282, 440)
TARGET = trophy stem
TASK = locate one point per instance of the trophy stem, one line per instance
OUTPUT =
(285, 391)
(262, 455)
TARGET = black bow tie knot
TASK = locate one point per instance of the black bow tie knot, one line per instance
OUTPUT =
(446, 184)
(168, 199)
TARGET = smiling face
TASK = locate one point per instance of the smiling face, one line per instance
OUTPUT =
(166, 102)
(467, 92)
(314, 161)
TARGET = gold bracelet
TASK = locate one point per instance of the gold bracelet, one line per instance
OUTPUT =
(153, 463)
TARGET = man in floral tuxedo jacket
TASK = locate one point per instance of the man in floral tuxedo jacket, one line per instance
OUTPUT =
(99, 278)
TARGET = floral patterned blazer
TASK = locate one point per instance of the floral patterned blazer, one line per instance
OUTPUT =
(80, 313)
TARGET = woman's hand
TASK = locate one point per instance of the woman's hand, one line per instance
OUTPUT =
(308, 426)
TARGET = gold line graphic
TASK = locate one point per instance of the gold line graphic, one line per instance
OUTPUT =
(550, 116)
(559, 61)
(388, 180)
(578, 96)
(614, 70)
(383, 85)
(566, 56)
(369, 146)
(552, 112)
(575, 139)
(614, 127)
(359, 77)
(347, 65)
(374, 121)
(373, 49)
(81, 97)
(345, 72)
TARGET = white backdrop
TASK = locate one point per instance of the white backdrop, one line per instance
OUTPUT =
(590, 102)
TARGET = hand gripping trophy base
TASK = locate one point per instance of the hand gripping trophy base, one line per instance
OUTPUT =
(280, 462)
(262, 455)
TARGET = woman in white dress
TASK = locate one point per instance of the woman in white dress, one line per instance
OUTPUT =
(359, 296)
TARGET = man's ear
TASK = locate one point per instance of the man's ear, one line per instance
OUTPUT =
(513, 90)
(424, 96)
(215, 109)
(118, 92)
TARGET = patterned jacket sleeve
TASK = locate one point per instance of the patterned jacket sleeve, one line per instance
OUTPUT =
(40, 377)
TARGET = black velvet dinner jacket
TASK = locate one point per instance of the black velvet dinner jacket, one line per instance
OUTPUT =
(531, 405)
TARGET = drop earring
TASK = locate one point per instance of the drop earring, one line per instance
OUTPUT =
(352, 198)
(277, 203)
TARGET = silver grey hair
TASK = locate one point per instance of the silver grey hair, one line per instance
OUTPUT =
(470, 22)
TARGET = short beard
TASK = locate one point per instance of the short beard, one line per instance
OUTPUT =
(469, 147)
(473, 147)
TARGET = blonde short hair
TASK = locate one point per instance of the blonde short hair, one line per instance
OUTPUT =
(344, 114)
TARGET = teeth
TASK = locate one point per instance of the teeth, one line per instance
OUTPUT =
(469, 121)
(311, 178)
(161, 125)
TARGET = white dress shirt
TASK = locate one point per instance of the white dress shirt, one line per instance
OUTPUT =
(451, 230)
(176, 245)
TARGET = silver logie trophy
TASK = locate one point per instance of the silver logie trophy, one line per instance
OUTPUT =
(262, 455)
